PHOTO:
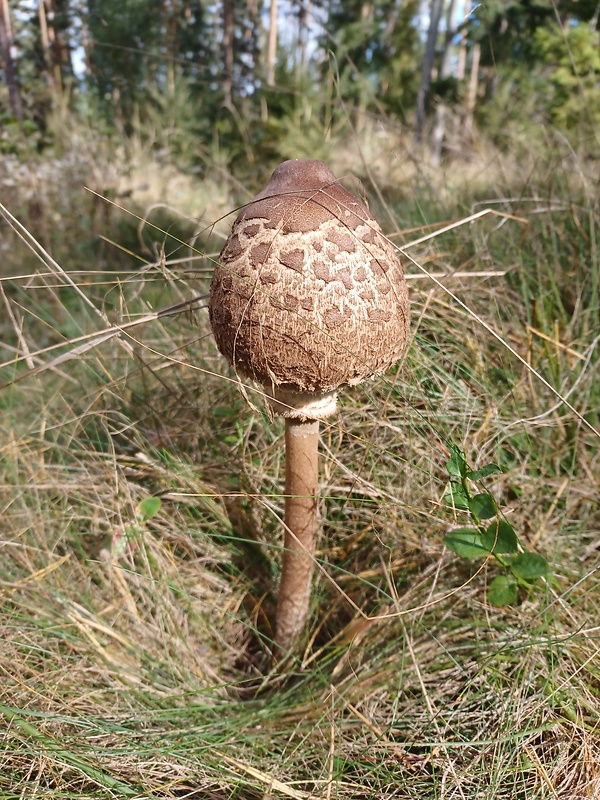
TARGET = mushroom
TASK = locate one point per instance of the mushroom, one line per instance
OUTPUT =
(308, 296)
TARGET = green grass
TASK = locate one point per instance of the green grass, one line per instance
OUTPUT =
(134, 654)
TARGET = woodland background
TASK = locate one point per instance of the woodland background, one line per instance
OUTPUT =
(255, 82)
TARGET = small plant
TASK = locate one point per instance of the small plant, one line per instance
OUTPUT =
(495, 538)
(127, 536)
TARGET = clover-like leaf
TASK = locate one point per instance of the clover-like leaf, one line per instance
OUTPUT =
(457, 466)
(500, 537)
(148, 508)
(478, 474)
(466, 542)
(502, 591)
(483, 506)
(529, 566)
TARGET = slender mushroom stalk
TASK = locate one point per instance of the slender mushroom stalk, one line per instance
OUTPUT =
(308, 296)
(299, 537)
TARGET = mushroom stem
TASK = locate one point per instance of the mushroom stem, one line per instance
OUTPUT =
(301, 477)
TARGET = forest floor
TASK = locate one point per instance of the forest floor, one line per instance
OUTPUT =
(135, 634)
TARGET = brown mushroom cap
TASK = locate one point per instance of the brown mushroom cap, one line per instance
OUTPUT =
(308, 295)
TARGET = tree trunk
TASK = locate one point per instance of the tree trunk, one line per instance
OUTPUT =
(435, 14)
(446, 67)
(304, 18)
(227, 48)
(252, 33)
(61, 46)
(86, 42)
(442, 110)
(10, 69)
(272, 45)
(170, 14)
(438, 133)
(472, 92)
(462, 47)
(50, 47)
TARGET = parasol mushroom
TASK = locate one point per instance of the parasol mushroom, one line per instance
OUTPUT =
(308, 296)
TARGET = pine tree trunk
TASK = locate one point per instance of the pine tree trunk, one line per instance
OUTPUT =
(438, 133)
(86, 42)
(462, 47)
(446, 67)
(170, 13)
(272, 46)
(51, 49)
(227, 48)
(10, 69)
(472, 92)
(435, 14)
(62, 55)
(442, 110)
(304, 17)
(253, 31)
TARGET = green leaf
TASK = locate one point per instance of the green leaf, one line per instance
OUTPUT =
(500, 537)
(502, 591)
(529, 566)
(465, 542)
(456, 498)
(483, 506)
(478, 474)
(224, 411)
(148, 508)
(457, 466)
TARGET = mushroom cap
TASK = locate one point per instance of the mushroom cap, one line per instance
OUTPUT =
(308, 295)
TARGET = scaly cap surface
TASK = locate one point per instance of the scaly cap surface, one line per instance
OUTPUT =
(308, 295)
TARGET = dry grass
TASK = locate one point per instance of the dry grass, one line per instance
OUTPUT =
(135, 653)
